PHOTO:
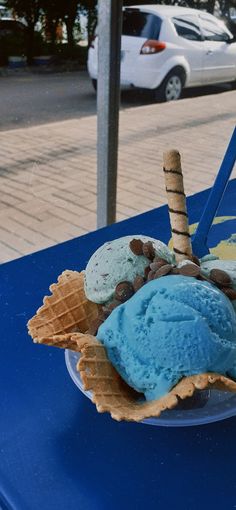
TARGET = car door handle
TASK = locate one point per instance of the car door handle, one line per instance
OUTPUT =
(209, 52)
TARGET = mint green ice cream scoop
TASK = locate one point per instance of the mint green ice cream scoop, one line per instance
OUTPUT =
(114, 262)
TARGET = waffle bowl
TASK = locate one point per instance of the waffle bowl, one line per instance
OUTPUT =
(66, 310)
(62, 322)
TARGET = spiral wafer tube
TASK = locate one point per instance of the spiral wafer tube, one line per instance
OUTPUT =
(177, 205)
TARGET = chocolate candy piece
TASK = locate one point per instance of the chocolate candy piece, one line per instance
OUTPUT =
(195, 259)
(157, 263)
(152, 275)
(160, 260)
(124, 290)
(230, 293)
(164, 270)
(105, 313)
(102, 314)
(148, 250)
(136, 246)
(107, 309)
(138, 283)
(174, 270)
(146, 271)
(220, 277)
(189, 270)
(154, 266)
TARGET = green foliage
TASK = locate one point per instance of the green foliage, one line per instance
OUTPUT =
(53, 12)
(28, 9)
(89, 8)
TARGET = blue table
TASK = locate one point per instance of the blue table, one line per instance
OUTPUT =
(56, 451)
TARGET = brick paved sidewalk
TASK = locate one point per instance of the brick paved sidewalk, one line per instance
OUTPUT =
(48, 173)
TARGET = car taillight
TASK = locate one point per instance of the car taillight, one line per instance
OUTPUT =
(151, 46)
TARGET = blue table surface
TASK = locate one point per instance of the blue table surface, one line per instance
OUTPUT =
(56, 451)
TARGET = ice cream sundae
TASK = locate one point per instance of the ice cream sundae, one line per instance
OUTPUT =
(151, 325)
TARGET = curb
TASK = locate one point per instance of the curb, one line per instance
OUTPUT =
(42, 69)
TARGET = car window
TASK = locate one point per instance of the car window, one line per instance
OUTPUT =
(188, 27)
(11, 26)
(141, 24)
(213, 30)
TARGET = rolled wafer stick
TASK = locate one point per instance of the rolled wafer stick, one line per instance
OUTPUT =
(177, 205)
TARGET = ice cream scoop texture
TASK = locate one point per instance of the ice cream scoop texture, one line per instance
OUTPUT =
(172, 327)
(115, 262)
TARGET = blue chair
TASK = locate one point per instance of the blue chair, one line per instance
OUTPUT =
(199, 242)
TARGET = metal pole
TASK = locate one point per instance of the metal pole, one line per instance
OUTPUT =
(108, 98)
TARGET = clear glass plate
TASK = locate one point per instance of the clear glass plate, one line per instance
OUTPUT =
(204, 407)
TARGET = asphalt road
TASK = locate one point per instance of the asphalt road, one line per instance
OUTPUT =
(29, 99)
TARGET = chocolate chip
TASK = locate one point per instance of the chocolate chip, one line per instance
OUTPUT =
(113, 304)
(148, 250)
(195, 259)
(160, 261)
(107, 309)
(220, 277)
(189, 270)
(146, 271)
(124, 291)
(164, 270)
(157, 263)
(154, 266)
(152, 275)
(230, 293)
(138, 283)
(174, 270)
(104, 314)
(136, 246)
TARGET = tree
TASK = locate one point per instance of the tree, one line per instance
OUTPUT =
(52, 12)
(30, 11)
(89, 9)
(70, 16)
(56, 11)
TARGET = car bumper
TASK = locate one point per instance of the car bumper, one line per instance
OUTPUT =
(143, 72)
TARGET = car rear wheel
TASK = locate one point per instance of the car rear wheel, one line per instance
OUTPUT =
(171, 87)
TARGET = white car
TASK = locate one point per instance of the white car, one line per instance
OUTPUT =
(167, 48)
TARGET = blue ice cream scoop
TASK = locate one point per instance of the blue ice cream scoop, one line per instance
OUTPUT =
(174, 326)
